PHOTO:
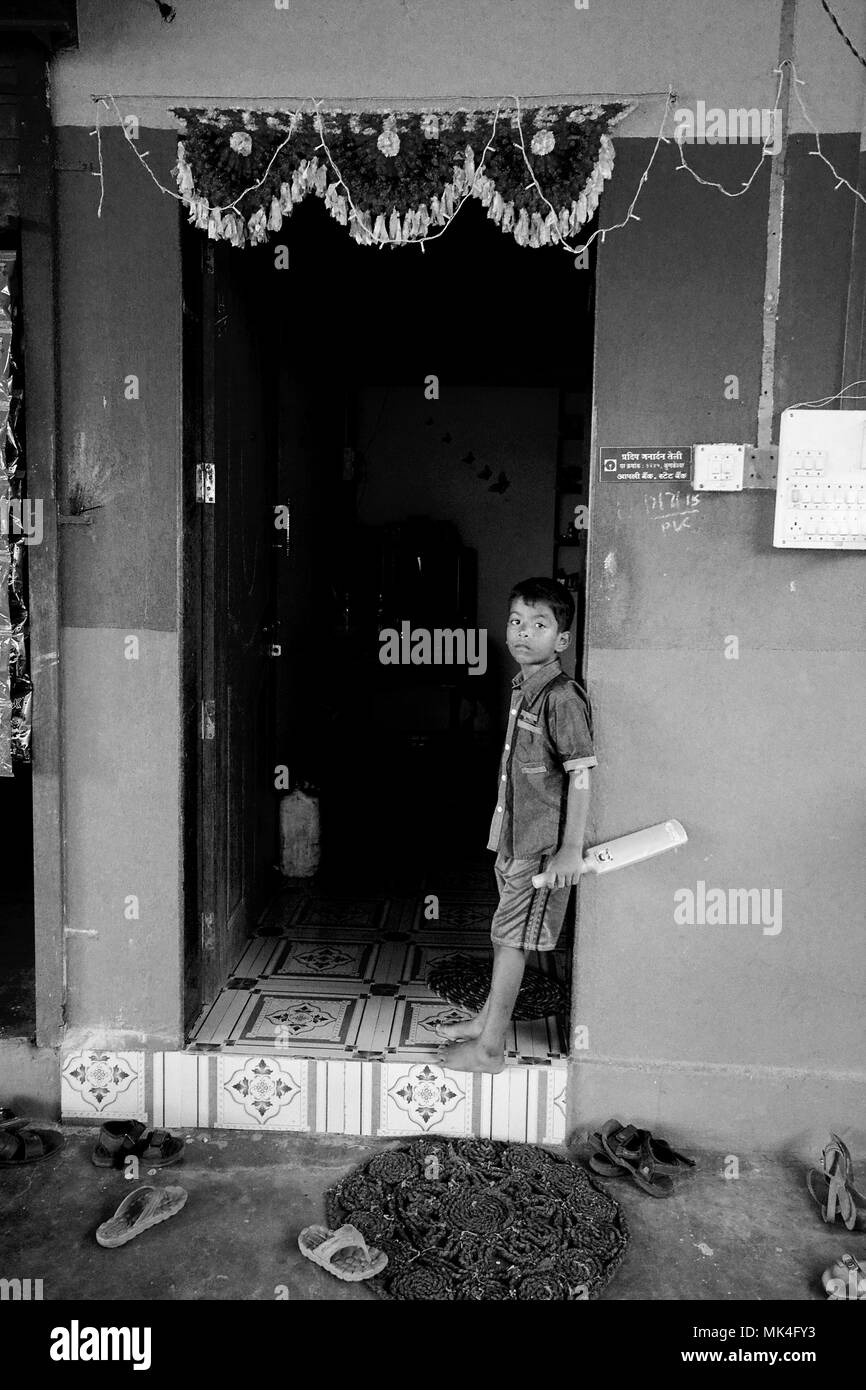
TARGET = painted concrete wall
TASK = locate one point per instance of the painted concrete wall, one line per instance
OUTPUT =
(722, 1031)
(120, 316)
(728, 1035)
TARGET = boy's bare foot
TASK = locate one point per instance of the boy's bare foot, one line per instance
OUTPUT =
(472, 1056)
(466, 1028)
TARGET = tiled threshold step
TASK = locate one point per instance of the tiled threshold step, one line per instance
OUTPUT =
(261, 1091)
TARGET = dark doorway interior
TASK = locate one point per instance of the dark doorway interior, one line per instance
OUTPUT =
(430, 415)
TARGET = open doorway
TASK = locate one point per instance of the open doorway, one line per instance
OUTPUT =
(424, 419)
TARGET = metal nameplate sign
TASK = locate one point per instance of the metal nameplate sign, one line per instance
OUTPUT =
(667, 462)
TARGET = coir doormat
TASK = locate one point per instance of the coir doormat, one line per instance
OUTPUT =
(465, 981)
(479, 1219)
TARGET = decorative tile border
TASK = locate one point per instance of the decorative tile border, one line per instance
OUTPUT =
(554, 1130)
(104, 1085)
(235, 1089)
(424, 1098)
(256, 1092)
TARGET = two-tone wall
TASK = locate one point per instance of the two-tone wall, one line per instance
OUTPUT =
(725, 1034)
(751, 1032)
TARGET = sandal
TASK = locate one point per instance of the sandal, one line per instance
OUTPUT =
(160, 1148)
(357, 1260)
(636, 1152)
(117, 1140)
(834, 1190)
(143, 1208)
(21, 1144)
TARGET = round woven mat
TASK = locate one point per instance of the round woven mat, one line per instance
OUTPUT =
(480, 1219)
(466, 981)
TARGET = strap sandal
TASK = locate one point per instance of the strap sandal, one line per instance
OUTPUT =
(599, 1161)
(646, 1160)
(159, 1148)
(26, 1145)
(117, 1139)
(356, 1260)
(143, 1208)
(834, 1190)
(614, 1137)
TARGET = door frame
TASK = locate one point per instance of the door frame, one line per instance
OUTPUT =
(207, 292)
(203, 757)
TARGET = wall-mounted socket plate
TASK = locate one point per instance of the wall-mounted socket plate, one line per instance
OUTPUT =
(718, 467)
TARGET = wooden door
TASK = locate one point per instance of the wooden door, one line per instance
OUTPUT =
(237, 800)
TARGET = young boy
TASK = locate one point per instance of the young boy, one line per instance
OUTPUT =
(540, 817)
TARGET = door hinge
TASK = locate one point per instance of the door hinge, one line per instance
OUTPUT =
(205, 482)
(208, 719)
(208, 931)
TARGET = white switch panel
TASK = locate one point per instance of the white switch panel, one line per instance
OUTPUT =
(718, 467)
(821, 486)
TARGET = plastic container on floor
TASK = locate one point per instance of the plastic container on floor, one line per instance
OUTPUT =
(300, 847)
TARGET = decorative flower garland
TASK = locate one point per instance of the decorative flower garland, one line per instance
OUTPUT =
(394, 177)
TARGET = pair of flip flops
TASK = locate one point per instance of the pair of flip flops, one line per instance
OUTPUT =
(834, 1190)
(620, 1151)
(118, 1139)
(343, 1253)
(20, 1143)
(143, 1208)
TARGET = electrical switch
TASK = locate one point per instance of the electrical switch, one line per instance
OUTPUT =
(718, 467)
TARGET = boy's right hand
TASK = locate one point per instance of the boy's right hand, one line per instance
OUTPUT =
(560, 872)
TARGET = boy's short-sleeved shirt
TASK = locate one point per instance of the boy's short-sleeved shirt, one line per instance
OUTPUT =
(549, 734)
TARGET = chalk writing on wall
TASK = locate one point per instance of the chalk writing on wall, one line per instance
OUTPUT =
(673, 509)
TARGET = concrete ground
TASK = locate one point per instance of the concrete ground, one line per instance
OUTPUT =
(754, 1237)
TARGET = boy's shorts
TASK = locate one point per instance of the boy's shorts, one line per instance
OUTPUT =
(527, 918)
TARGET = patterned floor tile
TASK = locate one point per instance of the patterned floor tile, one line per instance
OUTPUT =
(331, 1019)
(342, 912)
(255, 959)
(224, 1018)
(415, 1020)
(455, 915)
(334, 957)
(418, 957)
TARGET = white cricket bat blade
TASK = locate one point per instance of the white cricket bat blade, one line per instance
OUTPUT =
(628, 849)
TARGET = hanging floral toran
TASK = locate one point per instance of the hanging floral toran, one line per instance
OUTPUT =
(396, 177)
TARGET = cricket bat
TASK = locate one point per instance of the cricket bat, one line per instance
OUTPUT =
(627, 849)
